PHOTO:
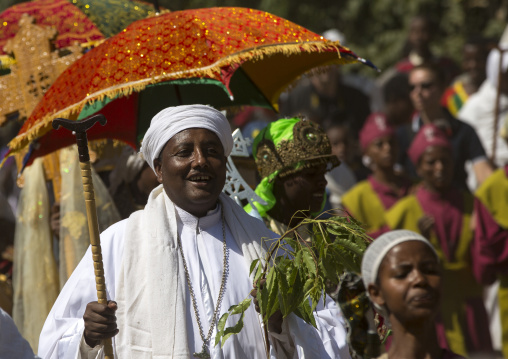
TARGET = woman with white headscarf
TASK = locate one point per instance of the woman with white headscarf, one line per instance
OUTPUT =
(402, 276)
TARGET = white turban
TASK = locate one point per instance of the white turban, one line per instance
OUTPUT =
(377, 251)
(173, 120)
(493, 65)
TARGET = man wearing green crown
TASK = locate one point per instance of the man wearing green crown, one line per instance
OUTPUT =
(292, 156)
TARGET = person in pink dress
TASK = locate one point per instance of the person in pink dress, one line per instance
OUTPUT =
(442, 214)
(369, 200)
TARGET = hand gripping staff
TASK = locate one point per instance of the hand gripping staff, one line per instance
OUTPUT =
(79, 128)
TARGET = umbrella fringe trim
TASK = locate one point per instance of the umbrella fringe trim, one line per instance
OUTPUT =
(256, 54)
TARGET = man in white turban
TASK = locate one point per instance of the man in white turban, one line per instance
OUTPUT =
(175, 267)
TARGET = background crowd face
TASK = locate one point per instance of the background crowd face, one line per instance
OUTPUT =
(474, 60)
(193, 170)
(436, 168)
(420, 34)
(426, 90)
(383, 151)
(408, 283)
(339, 141)
(305, 190)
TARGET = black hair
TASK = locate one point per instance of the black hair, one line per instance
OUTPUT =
(396, 88)
(436, 70)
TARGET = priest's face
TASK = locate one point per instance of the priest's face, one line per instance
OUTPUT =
(192, 169)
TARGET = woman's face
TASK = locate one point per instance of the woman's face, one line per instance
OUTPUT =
(409, 281)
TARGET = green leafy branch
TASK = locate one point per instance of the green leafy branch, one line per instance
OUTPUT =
(296, 270)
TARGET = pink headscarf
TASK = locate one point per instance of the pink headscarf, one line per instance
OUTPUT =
(375, 126)
(429, 135)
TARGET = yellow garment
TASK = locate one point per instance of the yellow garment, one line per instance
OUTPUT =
(493, 194)
(458, 281)
(74, 235)
(37, 276)
(365, 206)
(35, 273)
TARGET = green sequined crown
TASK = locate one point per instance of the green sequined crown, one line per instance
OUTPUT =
(280, 151)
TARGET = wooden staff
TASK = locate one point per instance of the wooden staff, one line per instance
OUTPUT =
(79, 128)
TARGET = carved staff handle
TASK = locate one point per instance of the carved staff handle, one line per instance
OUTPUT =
(79, 128)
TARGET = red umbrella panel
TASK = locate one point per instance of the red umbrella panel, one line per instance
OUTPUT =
(226, 56)
(74, 20)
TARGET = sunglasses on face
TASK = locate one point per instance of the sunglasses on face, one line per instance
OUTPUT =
(423, 85)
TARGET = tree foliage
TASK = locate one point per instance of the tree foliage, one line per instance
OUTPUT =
(296, 271)
(377, 29)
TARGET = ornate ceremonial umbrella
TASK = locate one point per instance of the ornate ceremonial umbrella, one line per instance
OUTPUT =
(217, 56)
(30, 32)
(74, 20)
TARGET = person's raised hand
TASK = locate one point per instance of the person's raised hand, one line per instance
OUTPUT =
(100, 322)
(55, 219)
(275, 321)
(425, 225)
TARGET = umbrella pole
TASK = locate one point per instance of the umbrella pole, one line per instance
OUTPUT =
(79, 129)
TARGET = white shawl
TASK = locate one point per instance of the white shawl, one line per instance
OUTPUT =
(156, 280)
(145, 276)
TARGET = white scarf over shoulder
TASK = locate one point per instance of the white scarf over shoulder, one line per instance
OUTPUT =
(154, 282)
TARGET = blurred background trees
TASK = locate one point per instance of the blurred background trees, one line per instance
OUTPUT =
(376, 29)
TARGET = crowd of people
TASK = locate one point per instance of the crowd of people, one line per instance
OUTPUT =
(419, 158)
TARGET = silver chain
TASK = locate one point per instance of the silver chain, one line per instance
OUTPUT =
(222, 285)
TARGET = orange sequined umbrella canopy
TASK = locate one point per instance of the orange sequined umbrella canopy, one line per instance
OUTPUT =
(216, 56)
(74, 20)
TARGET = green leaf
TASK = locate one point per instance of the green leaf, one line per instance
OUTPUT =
(283, 292)
(308, 259)
(253, 265)
(308, 286)
(242, 307)
(291, 274)
(272, 284)
(304, 311)
(237, 328)
(220, 327)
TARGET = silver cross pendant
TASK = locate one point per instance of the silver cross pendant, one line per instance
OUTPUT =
(204, 353)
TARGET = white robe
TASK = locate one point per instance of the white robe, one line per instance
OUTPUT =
(62, 335)
(478, 111)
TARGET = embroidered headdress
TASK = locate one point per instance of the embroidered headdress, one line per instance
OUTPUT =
(285, 147)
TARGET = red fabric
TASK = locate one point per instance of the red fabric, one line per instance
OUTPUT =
(198, 43)
(489, 248)
(428, 135)
(71, 24)
(447, 213)
(386, 194)
(375, 127)
(6, 268)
